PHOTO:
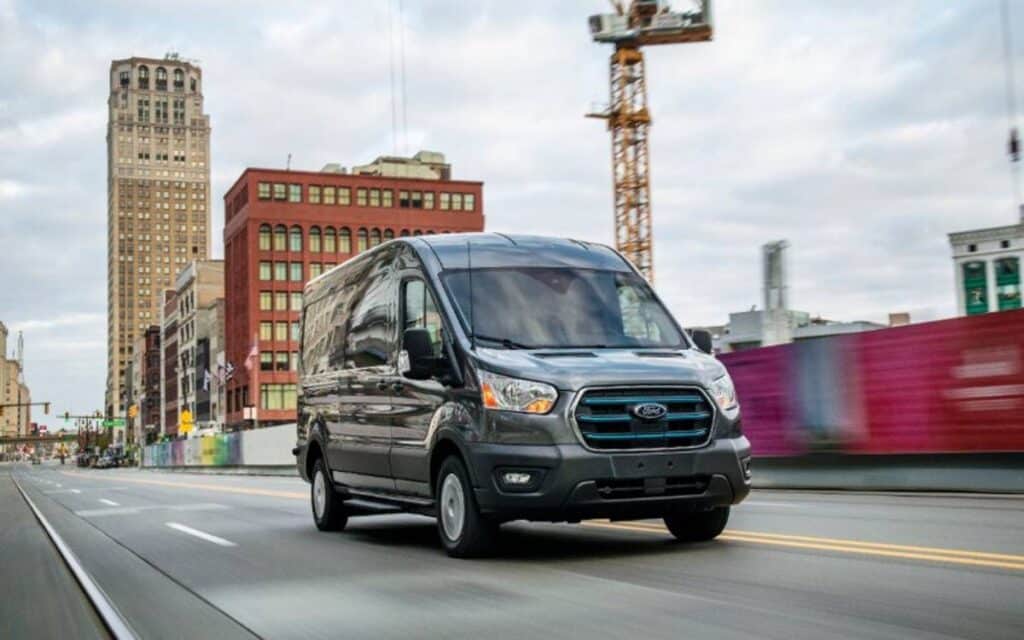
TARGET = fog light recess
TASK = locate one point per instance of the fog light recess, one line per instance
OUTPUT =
(519, 480)
(746, 468)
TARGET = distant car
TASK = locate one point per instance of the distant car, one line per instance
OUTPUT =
(106, 461)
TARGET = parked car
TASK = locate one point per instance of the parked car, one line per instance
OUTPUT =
(486, 378)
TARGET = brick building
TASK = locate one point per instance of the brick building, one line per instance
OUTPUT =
(285, 227)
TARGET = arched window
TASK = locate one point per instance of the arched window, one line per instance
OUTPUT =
(404, 233)
(295, 239)
(161, 79)
(1008, 283)
(314, 239)
(431, 232)
(143, 77)
(264, 237)
(280, 238)
(344, 240)
(975, 287)
(417, 232)
(179, 80)
(374, 237)
(389, 234)
(329, 244)
(361, 241)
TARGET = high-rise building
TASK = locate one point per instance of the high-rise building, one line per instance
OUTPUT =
(158, 186)
(285, 227)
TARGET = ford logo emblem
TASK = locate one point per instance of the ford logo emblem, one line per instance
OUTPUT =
(649, 411)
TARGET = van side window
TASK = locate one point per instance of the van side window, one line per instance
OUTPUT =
(371, 336)
(419, 310)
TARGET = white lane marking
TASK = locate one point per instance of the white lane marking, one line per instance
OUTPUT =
(76, 491)
(53, 491)
(765, 503)
(110, 503)
(59, 485)
(120, 511)
(201, 534)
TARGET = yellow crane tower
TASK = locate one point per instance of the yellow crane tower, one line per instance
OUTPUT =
(641, 23)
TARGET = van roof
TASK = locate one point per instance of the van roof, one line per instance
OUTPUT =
(491, 250)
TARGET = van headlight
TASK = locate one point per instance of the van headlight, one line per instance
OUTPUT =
(512, 394)
(724, 393)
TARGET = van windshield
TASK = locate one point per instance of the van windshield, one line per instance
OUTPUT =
(562, 307)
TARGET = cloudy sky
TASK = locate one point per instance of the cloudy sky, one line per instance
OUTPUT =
(862, 132)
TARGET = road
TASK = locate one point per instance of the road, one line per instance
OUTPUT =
(230, 556)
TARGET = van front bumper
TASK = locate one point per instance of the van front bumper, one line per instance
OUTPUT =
(570, 483)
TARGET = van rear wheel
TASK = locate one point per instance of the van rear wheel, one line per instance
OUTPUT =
(697, 526)
(464, 532)
(328, 509)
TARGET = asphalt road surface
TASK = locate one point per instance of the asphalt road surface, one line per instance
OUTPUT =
(190, 556)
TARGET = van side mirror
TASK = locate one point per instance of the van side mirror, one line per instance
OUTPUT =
(702, 338)
(417, 346)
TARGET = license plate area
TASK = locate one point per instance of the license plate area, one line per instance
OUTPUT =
(662, 465)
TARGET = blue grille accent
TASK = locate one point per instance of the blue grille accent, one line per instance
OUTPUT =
(606, 421)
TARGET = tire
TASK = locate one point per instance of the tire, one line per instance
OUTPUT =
(464, 532)
(328, 508)
(697, 526)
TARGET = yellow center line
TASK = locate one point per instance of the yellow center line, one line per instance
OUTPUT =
(197, 485)
(954, 556)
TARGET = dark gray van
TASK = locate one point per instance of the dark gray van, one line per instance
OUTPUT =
(483, 378)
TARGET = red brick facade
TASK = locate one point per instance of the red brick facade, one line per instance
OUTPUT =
(307, 222)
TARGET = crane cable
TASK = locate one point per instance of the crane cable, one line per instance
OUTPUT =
(1013, 145)
(391, 78)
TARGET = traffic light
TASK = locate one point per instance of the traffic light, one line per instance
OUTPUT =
(133, 411)
(46, 408)
(67, 416)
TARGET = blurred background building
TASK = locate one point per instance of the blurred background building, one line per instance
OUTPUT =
(15, 420)
(986, 266)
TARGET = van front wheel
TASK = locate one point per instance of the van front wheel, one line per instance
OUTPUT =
(697, 526)
(464, 532)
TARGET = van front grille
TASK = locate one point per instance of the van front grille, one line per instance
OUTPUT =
(608, 419)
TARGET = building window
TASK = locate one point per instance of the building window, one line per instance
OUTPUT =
(403, 199)
(361, 241)
(417, 199)
(281, 300)
(404, 233)
(374, 197)
(374, 237)
(328, 195)
(296, 301)
(329, 240)
(975, 287)
(446, 199)
(295, 329)
(344, 196)
(281, 361)
(161, 79)
(266, 331)
(315, 269)
(314, 239)
(264, 271)
(361, 197)
(456, 202)
(266, 301)
(1005, 244)
(389, 234)
(281, 271)
(144, 77)
(280, 191)
(295, 240)
(125, 78)
(971, 248)
(263, 191)
(387, 198)
(293, 362)
(314, 194)
(428, 200)
(266, 361)
(281, 331)
(1008, 283)
(469, 200)
(344, 240)
(296, 272)
(264, 242)
(277, 396)
(280, 238)
(295, 193)
(179, 80)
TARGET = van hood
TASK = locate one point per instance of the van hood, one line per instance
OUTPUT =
(573, 369)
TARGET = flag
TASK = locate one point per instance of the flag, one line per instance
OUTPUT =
(229, 371)
(254, 354)
(206, 380)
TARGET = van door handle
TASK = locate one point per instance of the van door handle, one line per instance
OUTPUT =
(396, 387)
(382, 385)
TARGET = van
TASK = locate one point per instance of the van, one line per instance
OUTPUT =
(484, 378)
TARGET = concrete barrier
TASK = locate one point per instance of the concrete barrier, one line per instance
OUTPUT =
(261, 448)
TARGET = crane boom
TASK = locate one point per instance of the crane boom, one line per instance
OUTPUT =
(642, 23)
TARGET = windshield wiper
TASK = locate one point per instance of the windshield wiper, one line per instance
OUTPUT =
(505, 342)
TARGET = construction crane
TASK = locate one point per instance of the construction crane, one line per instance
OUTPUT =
(641, 23)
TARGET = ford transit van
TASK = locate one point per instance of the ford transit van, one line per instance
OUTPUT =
(484, 378)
